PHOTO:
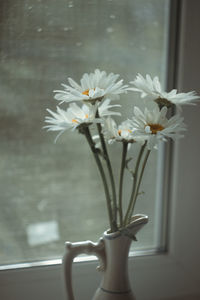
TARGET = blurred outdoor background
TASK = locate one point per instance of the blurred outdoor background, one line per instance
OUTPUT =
(50, 192)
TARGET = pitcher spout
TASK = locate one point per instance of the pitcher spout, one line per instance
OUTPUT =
(137, 222)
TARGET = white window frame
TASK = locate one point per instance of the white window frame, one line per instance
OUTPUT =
(170, 274)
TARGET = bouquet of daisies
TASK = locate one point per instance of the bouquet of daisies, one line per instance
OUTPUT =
(90, 104)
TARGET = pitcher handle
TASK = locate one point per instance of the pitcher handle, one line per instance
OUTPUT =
(75, 249)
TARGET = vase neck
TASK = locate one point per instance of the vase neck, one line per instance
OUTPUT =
(117, 247)
(116, 269)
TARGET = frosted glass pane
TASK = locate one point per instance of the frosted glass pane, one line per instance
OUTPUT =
(52, 193)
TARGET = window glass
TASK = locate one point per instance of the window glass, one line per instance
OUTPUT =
(52, 192)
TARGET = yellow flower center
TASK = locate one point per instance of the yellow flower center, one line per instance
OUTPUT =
(120, 131)
(75, 121)
(155, 128)
(86, 92)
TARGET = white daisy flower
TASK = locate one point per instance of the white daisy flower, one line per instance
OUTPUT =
(154, 125)
(103, 108)
(151, 89)
(93, 87)
(72, 118)
(123, 132)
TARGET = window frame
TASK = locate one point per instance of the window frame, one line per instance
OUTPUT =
(174, 272)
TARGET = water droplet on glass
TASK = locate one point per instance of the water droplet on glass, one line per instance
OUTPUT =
(143, 48)
(70, 4)
(109, 29)
(50, 22)
(112, 16)
(89, 222)
(42, 205)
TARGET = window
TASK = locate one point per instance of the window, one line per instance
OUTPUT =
(170, 275)
(44, 185)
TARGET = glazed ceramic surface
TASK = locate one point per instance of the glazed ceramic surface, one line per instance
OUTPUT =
(112, 251)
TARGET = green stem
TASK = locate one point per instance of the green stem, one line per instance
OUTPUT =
(110, 172)
(135, 175)
(138, 185)
(91, 143)
(123, 164)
